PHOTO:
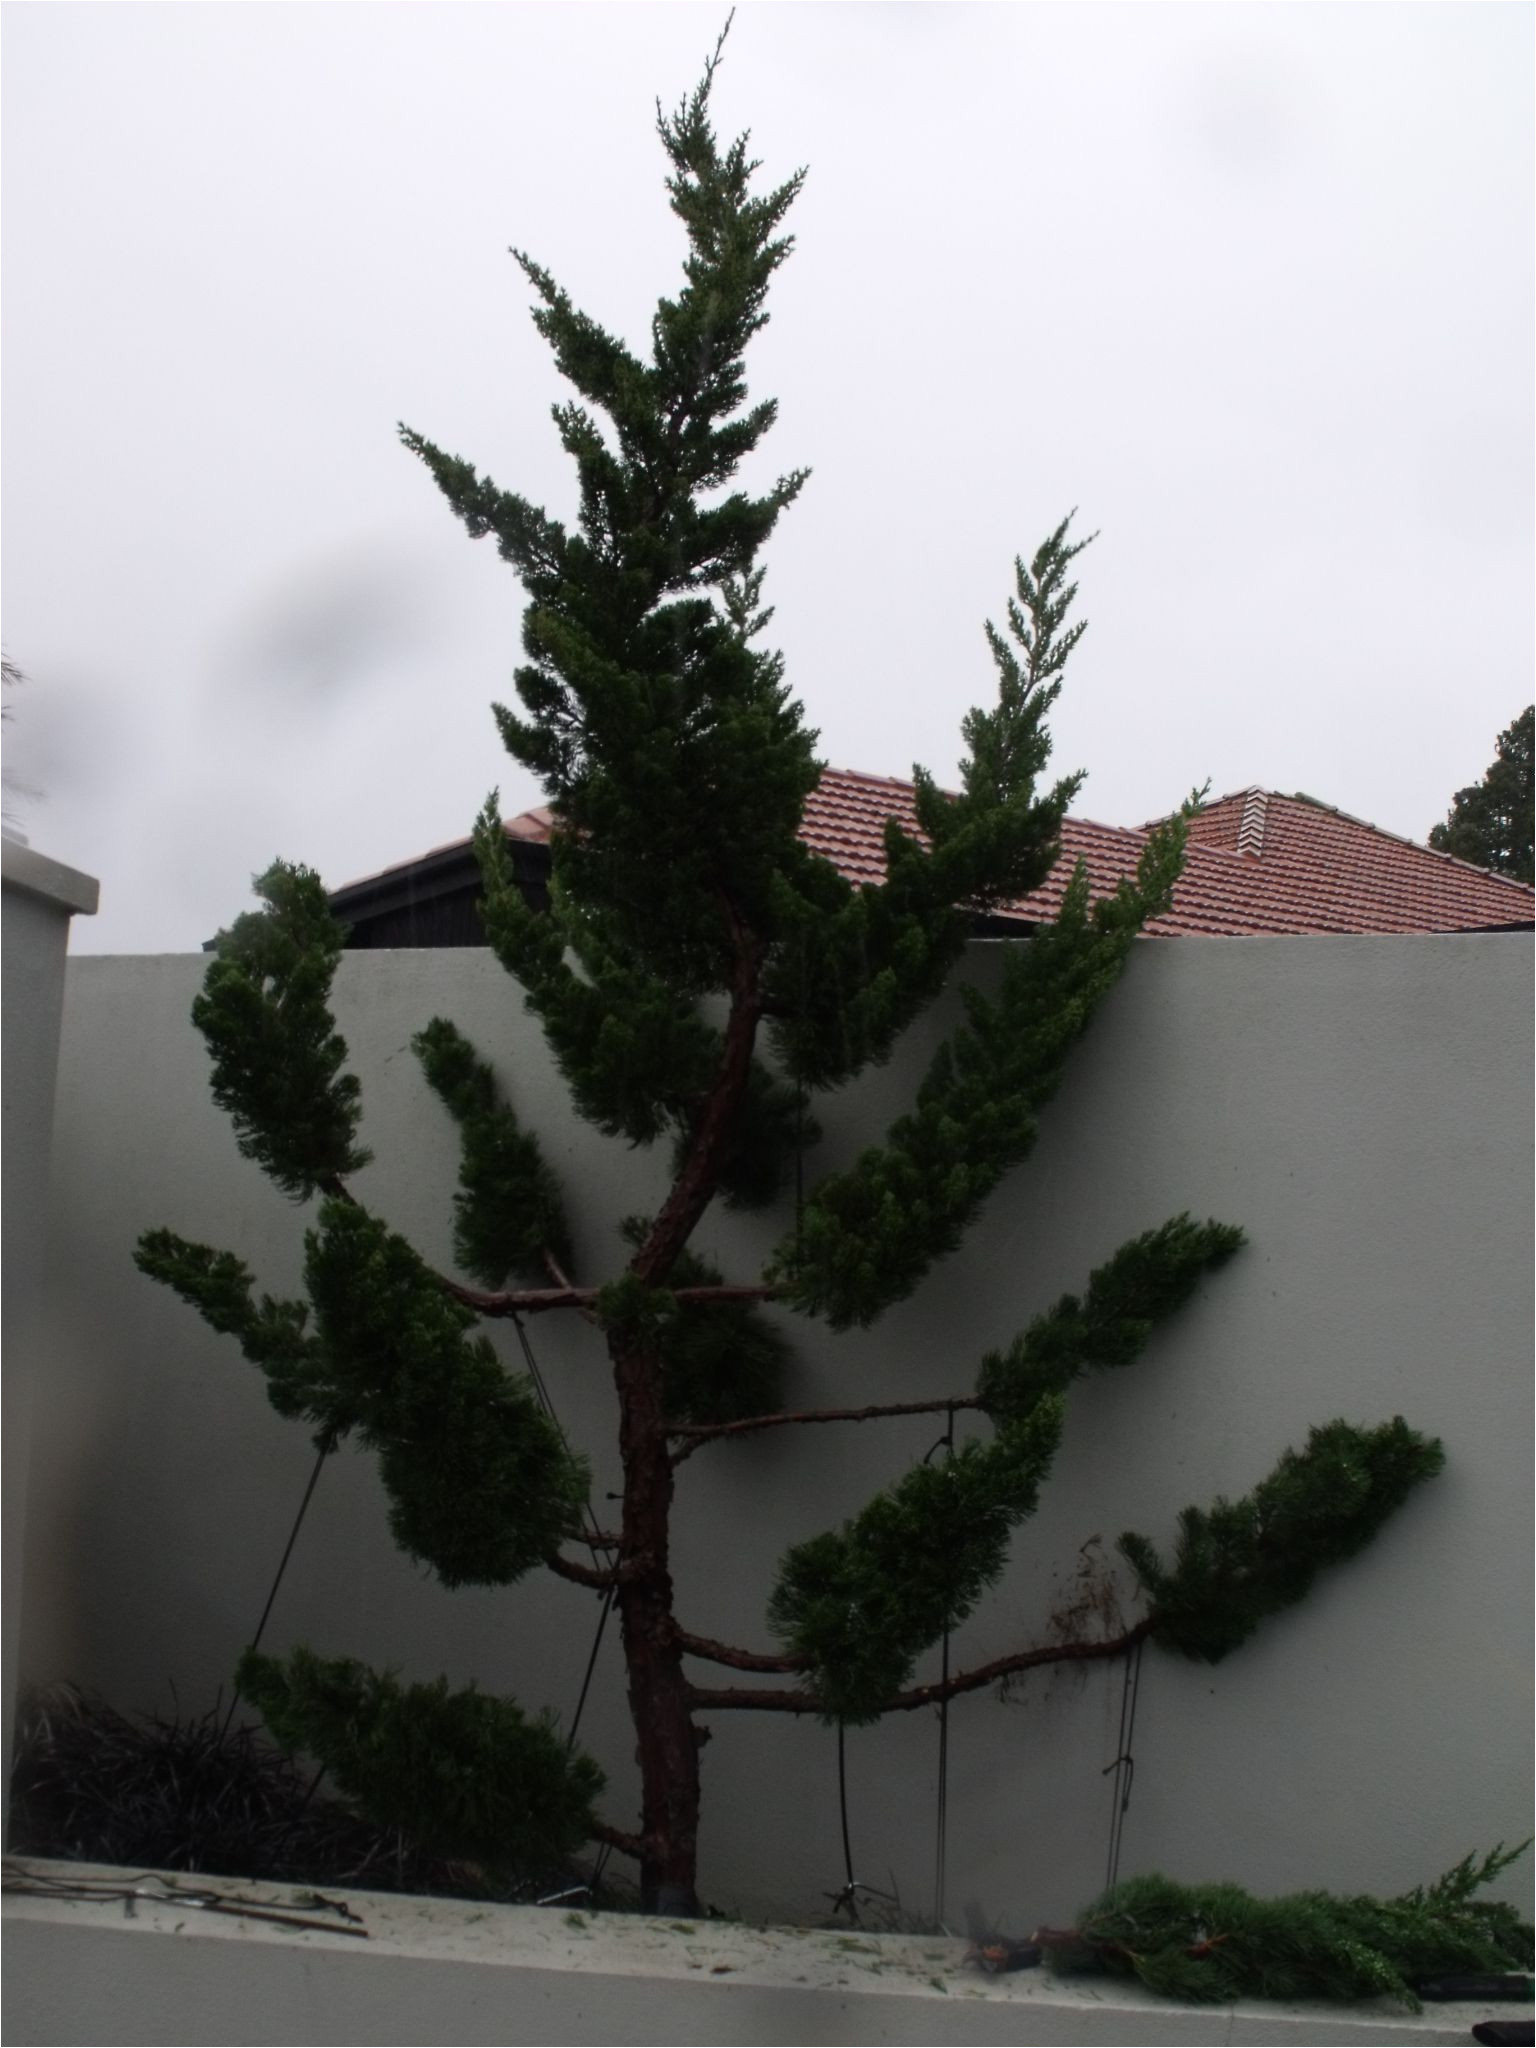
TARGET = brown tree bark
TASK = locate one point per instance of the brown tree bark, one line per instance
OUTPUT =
(666, 1741)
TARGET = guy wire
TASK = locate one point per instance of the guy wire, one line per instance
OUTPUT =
(1124, 1765)
(549, 1409)
(607, 1607)
(842, 1803)
(326, 1446)
(941, 1828)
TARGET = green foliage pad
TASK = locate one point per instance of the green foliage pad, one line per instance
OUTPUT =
(277, 1056)
(462, 1773)
(507, 1213)
(1147, 1280)
(860, 1603)
(1240, 1561)
(481, 1484)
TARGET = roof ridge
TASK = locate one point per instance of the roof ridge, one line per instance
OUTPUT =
(864, 775)
(1213, 803)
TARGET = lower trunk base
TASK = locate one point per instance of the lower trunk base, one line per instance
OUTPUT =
(680, 1901)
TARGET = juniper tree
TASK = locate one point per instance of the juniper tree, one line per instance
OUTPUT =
(699, 975)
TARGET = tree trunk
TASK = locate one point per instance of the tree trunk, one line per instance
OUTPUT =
(666, 1742)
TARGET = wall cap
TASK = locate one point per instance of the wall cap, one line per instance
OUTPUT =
(694, 1975)
(23, 867)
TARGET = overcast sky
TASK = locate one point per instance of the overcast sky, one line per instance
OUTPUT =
(1250, 285)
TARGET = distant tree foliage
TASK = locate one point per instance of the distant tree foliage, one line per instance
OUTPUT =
(15, 790)
(1490, 822)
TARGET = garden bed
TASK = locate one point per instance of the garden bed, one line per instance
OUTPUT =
(138, 1963)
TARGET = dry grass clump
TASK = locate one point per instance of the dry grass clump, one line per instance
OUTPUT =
(191, 1793)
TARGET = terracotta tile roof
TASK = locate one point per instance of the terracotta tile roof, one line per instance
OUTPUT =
(1258, 863)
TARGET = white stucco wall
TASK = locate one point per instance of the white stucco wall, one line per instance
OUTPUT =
(39, 898)
(1362, 1107)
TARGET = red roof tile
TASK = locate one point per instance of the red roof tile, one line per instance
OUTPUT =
(1258, 864)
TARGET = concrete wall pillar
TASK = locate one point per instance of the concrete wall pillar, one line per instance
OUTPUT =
(40, 897)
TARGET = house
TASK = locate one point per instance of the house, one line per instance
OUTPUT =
(1259, 865)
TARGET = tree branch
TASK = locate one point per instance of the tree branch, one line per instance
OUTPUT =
(731, 1696)
(739, 1660)
(555, 1270)
(753, 1290)
(695, 1433)
(520, 1301)
(583, 1574)
(515, 1301)
(534, 1301)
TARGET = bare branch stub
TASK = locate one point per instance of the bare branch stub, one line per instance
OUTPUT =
(584, 1574)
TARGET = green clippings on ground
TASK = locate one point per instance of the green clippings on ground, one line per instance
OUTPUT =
(1213, 1944)
(575, 1919)
(939, 1985)
(865, 1948)
(682, 1927)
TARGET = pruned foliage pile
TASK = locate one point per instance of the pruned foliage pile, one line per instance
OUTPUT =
(1213, 1943)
